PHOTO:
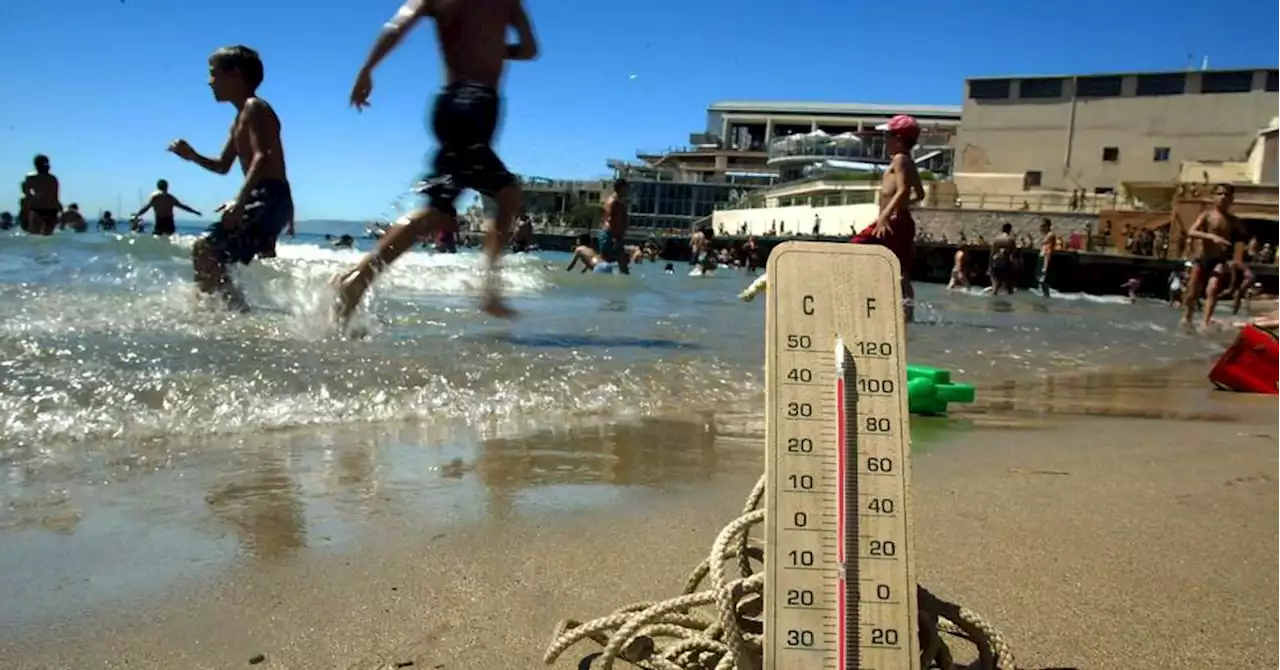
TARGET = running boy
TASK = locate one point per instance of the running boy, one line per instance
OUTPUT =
(264, 205)
(473, 41)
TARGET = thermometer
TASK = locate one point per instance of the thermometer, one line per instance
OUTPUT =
(839, 582)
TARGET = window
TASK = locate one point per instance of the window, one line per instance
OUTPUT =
(989, 89)
(1160, 155)
(1162, 84)
(1031, 180)
(1110, 154)
(1272, 76)
(1103, 190)
(1098, 87)
(1239, 81)
(1040, 88)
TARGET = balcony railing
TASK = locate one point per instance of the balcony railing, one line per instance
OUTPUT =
(540, 184)
(757, 147)
(849, 146)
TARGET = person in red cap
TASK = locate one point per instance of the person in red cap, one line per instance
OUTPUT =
(901, 186)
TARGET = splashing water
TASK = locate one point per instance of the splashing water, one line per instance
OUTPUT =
(101, 340)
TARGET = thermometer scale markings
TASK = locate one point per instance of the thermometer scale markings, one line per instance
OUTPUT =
(840, 593)
(846, 490)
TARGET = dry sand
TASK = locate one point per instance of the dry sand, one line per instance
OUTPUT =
(1089, 542)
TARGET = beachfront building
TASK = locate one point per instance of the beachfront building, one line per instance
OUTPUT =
(748, 146)
(751, 138)
(1021, 137)
(563, 202)
(668, 199)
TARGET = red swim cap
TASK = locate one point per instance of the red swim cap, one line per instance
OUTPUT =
(903, 126)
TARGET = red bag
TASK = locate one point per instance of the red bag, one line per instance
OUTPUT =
(1250, 364)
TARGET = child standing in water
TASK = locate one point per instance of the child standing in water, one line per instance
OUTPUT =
(264, 205)
(473, 40)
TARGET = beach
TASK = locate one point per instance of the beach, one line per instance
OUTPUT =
(204, 492)
(1104, 542)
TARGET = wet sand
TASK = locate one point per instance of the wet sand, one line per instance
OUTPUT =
(1090, 541)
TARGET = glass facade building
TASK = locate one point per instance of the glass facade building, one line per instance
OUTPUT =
(663, 201)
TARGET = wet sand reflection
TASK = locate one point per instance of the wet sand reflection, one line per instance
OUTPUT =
(1180, 394)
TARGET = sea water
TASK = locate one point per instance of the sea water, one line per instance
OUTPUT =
(139, 430)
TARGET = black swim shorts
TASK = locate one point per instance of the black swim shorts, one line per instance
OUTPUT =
(46, 220)
(464, 120)
(268, 210)
(1209, 265)
(164, 226)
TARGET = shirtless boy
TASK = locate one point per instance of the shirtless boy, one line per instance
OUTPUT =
(42, 208)
(1003, 267)
(894, 228)
(1048, 243)
(613, 229)
(1220, 234)
(163, 203)
(264, 205)
(704, 257)
(958, 277)
(698, 247)
(473, 40)
(590, 259)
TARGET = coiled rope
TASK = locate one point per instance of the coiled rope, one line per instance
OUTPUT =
(720, 627)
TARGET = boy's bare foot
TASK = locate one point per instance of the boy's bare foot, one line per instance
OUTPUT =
(493, 305)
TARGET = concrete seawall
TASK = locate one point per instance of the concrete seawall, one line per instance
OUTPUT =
(1070, 271)
(937, 223)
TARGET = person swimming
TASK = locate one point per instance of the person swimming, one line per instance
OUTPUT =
(590, 258)
(340, 242)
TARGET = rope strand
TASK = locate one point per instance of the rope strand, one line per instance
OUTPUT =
(721, 627)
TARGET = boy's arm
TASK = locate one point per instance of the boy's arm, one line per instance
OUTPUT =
(57, 193)
(145, 208)
(255, 119)
(527, 47)
(1197, 231)
(913, 180)
(394, 30)
(219, 165)
(573, 261)
(182, 206)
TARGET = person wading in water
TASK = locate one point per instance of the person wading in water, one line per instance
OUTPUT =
(900, 187)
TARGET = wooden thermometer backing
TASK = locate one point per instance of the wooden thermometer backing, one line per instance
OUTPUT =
(839, 584)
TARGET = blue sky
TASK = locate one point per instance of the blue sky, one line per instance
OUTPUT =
(102, 86)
